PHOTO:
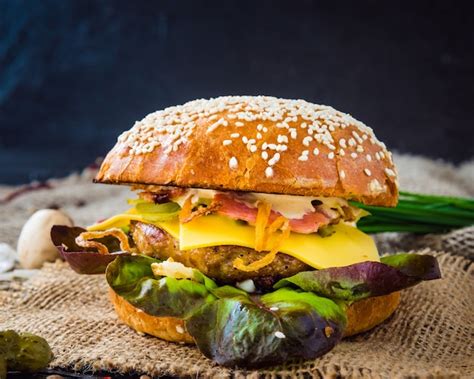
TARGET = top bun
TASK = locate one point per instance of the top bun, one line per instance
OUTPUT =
(258, 144)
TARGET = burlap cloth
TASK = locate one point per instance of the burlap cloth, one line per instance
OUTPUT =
(431, 334)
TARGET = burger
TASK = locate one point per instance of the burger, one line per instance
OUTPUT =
(242, 235)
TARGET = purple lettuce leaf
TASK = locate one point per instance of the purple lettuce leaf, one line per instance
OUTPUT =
(82, 260)
(367, 279)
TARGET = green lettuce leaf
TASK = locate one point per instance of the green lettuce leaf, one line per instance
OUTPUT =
(366, 279)
(254, 331)
(132, 278)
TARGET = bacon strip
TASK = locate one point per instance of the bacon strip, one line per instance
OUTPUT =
(310, 223)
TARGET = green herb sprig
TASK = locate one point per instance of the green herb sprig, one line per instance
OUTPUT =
(418, 213)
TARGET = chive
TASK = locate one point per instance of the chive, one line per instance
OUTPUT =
(422, 229)
(419, 213)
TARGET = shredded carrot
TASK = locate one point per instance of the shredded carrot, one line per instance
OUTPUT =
(254, 266)
(281, 223)
(261, 222)
(285, 233)
(277, 224)
(186, 210)
(84, 240)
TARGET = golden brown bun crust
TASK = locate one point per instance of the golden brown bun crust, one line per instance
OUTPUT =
(361, 316)
(344, 158)
(167, 328)
(364, 314)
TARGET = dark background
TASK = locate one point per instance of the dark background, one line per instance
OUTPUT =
(74, 74)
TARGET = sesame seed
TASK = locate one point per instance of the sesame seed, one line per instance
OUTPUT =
(356, 136)
(226, 142)
(316, 151)
(354, 155)
(367, 172)
(282, 138)
(272, 146)
(264, 155)
(269, 172)
(360, 149)
(342, 152)
(375, 186)
(342, 143)
(233, 163)
(279, 335)
(390, 172)
(307, 140)
(179, 329)
(253, 148)
(245, 140)
(235, 135)
(368, 157)
(342, 174)
(274, 159)
(179, 122)
(331, 155)
(303, 158)
(259, 135)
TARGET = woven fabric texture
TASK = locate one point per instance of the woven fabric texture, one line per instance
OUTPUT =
(430, 335)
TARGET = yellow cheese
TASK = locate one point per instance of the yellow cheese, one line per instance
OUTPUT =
(117, 221)
(346, 246)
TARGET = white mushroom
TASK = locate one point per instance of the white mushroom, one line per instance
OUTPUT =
(34, 244)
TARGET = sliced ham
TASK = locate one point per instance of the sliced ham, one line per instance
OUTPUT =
(238, 210)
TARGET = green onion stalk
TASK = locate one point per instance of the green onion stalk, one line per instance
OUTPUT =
(417, 213)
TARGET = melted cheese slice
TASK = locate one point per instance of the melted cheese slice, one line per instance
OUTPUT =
(346, 246)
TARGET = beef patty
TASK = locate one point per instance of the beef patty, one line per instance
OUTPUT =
(214, 261)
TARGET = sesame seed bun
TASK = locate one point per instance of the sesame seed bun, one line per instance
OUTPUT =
(258, 144)
(361, 316)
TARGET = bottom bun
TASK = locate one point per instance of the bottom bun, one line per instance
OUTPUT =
(365, 314)
(167, 328)
(361, 316)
